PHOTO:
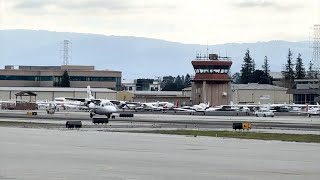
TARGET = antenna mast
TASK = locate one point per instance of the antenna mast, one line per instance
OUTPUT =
(66, 51)
(207, 51)
(316, 47)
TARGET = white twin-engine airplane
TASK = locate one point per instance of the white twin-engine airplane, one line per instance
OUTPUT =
(95, 106)
(99, 106)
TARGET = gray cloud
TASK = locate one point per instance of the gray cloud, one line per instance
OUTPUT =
(264, 4)
(31, 4)
(81, 5)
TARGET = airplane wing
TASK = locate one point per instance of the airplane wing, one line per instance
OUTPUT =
(134, 103)
(118, 102)
(185, 110)
(76, 99)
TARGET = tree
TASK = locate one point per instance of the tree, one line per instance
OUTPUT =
(172, 83)
(310, 72)
(266, 69)
(300, 71)
(183, 79)
(253, 65)
(258, 76)
(170, 87)
(180, 84)
(288, 72)
(187, 81)
(65, 79)
(166, 80)
(247, 68)
(236, 79)
(266, 66)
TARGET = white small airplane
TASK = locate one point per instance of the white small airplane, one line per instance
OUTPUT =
(192, 109)
(150, 106)
(231, 107)
(313, 110)
(95, 106)
(102, 107)
(62, 103)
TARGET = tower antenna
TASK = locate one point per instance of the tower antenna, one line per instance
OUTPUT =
(207, 51)
(66, 50)
(316, 47)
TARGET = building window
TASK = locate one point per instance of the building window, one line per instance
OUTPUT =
(101, 79)
(304, 98)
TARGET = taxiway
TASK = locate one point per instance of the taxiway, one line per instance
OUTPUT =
(61, 154)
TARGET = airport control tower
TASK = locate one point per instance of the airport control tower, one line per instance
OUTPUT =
(212, 81)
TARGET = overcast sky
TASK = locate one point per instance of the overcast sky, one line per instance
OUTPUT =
(186, 21)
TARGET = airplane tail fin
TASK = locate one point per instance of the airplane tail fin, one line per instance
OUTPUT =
(89, 93)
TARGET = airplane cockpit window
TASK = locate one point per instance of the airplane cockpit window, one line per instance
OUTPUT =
(108, 104)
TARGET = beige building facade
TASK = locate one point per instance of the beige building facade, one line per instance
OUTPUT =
(260, 93)
(50, 76)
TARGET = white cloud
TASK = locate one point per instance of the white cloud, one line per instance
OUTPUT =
(193, 21)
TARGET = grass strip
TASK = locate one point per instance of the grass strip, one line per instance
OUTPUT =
(29, 124)
(309, 138)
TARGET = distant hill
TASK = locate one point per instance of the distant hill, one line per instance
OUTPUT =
(136, 57)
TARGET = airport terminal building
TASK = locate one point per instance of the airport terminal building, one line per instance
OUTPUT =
(50, 93)
(51, 76)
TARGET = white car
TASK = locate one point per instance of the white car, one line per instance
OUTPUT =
(264, 113)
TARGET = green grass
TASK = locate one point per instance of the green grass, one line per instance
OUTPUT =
(242, 135)
(29, 124)
(309, 138)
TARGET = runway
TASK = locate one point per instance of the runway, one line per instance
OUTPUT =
(33, 154)
(160, 120)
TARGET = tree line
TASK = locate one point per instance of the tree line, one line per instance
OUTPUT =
(291, 71)
(296, 71)
(170, 83)
(249, 73)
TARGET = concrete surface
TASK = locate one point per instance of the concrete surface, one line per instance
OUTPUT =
(71, 154)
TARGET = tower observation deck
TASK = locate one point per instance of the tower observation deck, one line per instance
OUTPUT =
(212, 81)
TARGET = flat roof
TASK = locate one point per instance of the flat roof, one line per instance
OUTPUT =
(256, 86)
(158, 93)
(56, 89)
(303, 91)
(211, 63)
